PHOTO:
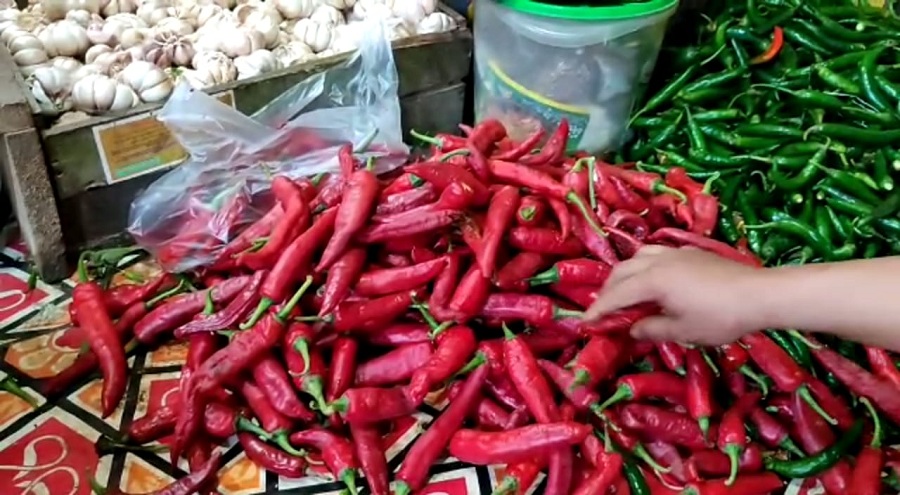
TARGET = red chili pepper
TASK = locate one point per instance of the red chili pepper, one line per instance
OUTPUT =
(782, 369)
(455, 346)
(426, 450)
(627, 245)
(866, 478)
(620, 320)
(192, 483)
(445, 283)
(677, 468)
(342, 369)
(835, 406)
(220, 421)
(751, 484)
(525, 374)
(486, 134)
(153, 425)
(101, 335)
(356, 206)
(563, 217)
(371, 315)
(598, 361)
(408, 224)
(647, 183)
(773, 49)
(394, 367)
(305, 364)
(441, 141)
(270, 458)
(400, 334)
(581, 271)
(699, 389)
(295, 220)
(516, 445)
(581, 396)
(369, 452)
(519, 478)
(578, 179)
(547, 341)
(499, 219)
(771, 432)
(471, 294)
(237, 308)
(488, 414)
(369, 405)
(341, 277)
(272, 422)
(405, 201)
(514, 275)
(580, 295)
(198, 455)
(679, 238)
(532, 212)
(673, 356)
(732, 439)
(337, 453)
(553, 150)
(179, 309)
(504, 392)
(629, 222)
(534, 309)
(227, 258)
(658, 385)
(668, 426)
(331, 190)
(406, 181)
(273, 380)
(598, 246)
(629, 199)
(544, 241)
(713, 463)
(390, 280)
(560, 472)
(122, 297)
(815, 435)
(521, 149)
(882, 365)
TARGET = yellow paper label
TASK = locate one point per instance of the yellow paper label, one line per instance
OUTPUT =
(140, 144)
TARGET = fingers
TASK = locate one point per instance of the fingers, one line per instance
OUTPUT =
(628, 292)
(659, 328)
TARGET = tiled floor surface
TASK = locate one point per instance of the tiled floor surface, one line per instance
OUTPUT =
(50, 449)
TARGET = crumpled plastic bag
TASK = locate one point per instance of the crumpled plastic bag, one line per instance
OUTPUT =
(187, 216)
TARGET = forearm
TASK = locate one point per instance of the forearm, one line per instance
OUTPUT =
(856, 300)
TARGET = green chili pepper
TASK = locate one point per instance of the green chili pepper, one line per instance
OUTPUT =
(837, 81)
(651, 122)
(801, 37)
(836, 30)
(890, 89)
(754, 239)
(851, 184)
(635, 478)
(660, 169)
(659, 140)
(736, 140)
(808, 148)
(712, 81)
(671, 158)
(769, 130)
(824, 225)
(844, 253)
(783, 339)
(814, 99)
(727, 228)
(837, 63)
(719, 161)
(840, 226)
(799, 229)
(775, 246)
(697, 139)
(803, 178)
(870, 87)
(857, 135)
(871, 250)
(724, 114)
(704, 95)
(666, 94)
(823, 39)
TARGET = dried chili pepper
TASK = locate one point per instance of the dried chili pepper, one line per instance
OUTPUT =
(337, 453)
(273, 380)
(520, 444)
(270, 458)
(413, 473)
(341, 277)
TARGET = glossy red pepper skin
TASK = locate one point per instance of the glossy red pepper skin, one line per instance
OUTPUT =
(370, 315)
(272, 379)
(195, 481)
(699, 388)
(751, 484)
(295, 220)
(715, 464)
(356, 206)
(525, 374)
(101, 335)
(370, 405)
(770, 431)
(293, 264)
(882, 365)
(455, 346)
(400, 334)
(486, 134)
(219, 420)
(580, 271)
(814, 435)
(426, 450)
(671, 427)
(498, 221)
(521, 149)
(629, 199)
(837, 407)
(269, 418)
(732, 439)
(598, 246)
(180, 309)
(342, 368)
(535, 309)
(866, 479)
(271, 458)
(629, 222)
(514, 275)
(153, 425)
(230, 315)
(444, 175)
(520, 477)
(544, 241)
(580, 396)
(385, 281)
(471, 294)
(337, 452)
(489, 415)
(652, 385)
(620, 320)
(553, 150)
(227, 258)
(599, 360)
(405, 201)
(671, 236)
(504, 392)
(517, 445)
(122, 297)
(370, 454)
(408, 224)
(560, 472)
(532, 212)
(775, 362)
(394, 367)
(580, 295)
(341, 277)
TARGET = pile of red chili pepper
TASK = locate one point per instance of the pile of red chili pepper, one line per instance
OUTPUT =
(468, 271)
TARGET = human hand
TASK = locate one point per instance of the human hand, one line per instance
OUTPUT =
(705, 299)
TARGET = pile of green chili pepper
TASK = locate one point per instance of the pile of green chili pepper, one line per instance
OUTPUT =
(792, 110)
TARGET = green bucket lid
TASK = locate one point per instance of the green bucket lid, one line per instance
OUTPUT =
(632, 10)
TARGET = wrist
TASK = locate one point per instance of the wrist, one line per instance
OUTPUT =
(767, 298)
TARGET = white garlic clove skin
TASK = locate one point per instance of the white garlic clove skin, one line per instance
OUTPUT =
(114, 7)
(413, 11)
(240, 41)
(53, 81)
(370, 9)
(296, 9)
(340, 4)
(30, 57)
(55, 10)
(128, 20)
(67, 64)
(326, 14)
(65, 38)
(317, 36)
(86, 70)
(207, 12)
(95, 51)
(435, 22)
(174, 26)
(263, 20)
(293, 52)
(258, 62)
(210, 74)
(82, 17)
(96, 94)
(150, 83)
(153, 11)
(133, 37)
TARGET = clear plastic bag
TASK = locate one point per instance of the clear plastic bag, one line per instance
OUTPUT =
(187, 216)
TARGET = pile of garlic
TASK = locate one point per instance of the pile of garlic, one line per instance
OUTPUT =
(97, 56)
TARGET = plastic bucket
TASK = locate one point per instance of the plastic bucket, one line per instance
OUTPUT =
(536, 63)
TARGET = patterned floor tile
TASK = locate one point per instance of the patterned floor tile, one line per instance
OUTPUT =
(241, 477)
(462, 481)
(52, 454)
(173, 354)
(87, 398)
(46, 355)
(138, 476)
(497, 473)
(18, 302)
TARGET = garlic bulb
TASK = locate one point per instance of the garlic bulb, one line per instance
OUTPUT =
(340, 4)
(114, 7)
(54, 82)
(258, 62)
(104, 33)
(317, 36)
(326, 14)
(95, 51)
(150, 83)
(13, 31)
(207, 12)
(113, 62)
(265, 21)
(186, 12)
(82, 17)
(294, 52)
(210, 74)
(202, 58)
(370, 9)
(166, 49)
(27, 50)
(67, 64)
(57, 9)
(235, 42)
(413, 11)
(346, 37)
(131, 37)
(127, 20)
(10, 13)
(98, 94)
(23, 40)
(225, 4)
(435, 22)
(86, 70)
(296, 9)
(153, 11)
(399, 29)
(65, 38)
(174, 26)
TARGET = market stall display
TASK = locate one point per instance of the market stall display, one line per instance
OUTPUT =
(791, 113)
